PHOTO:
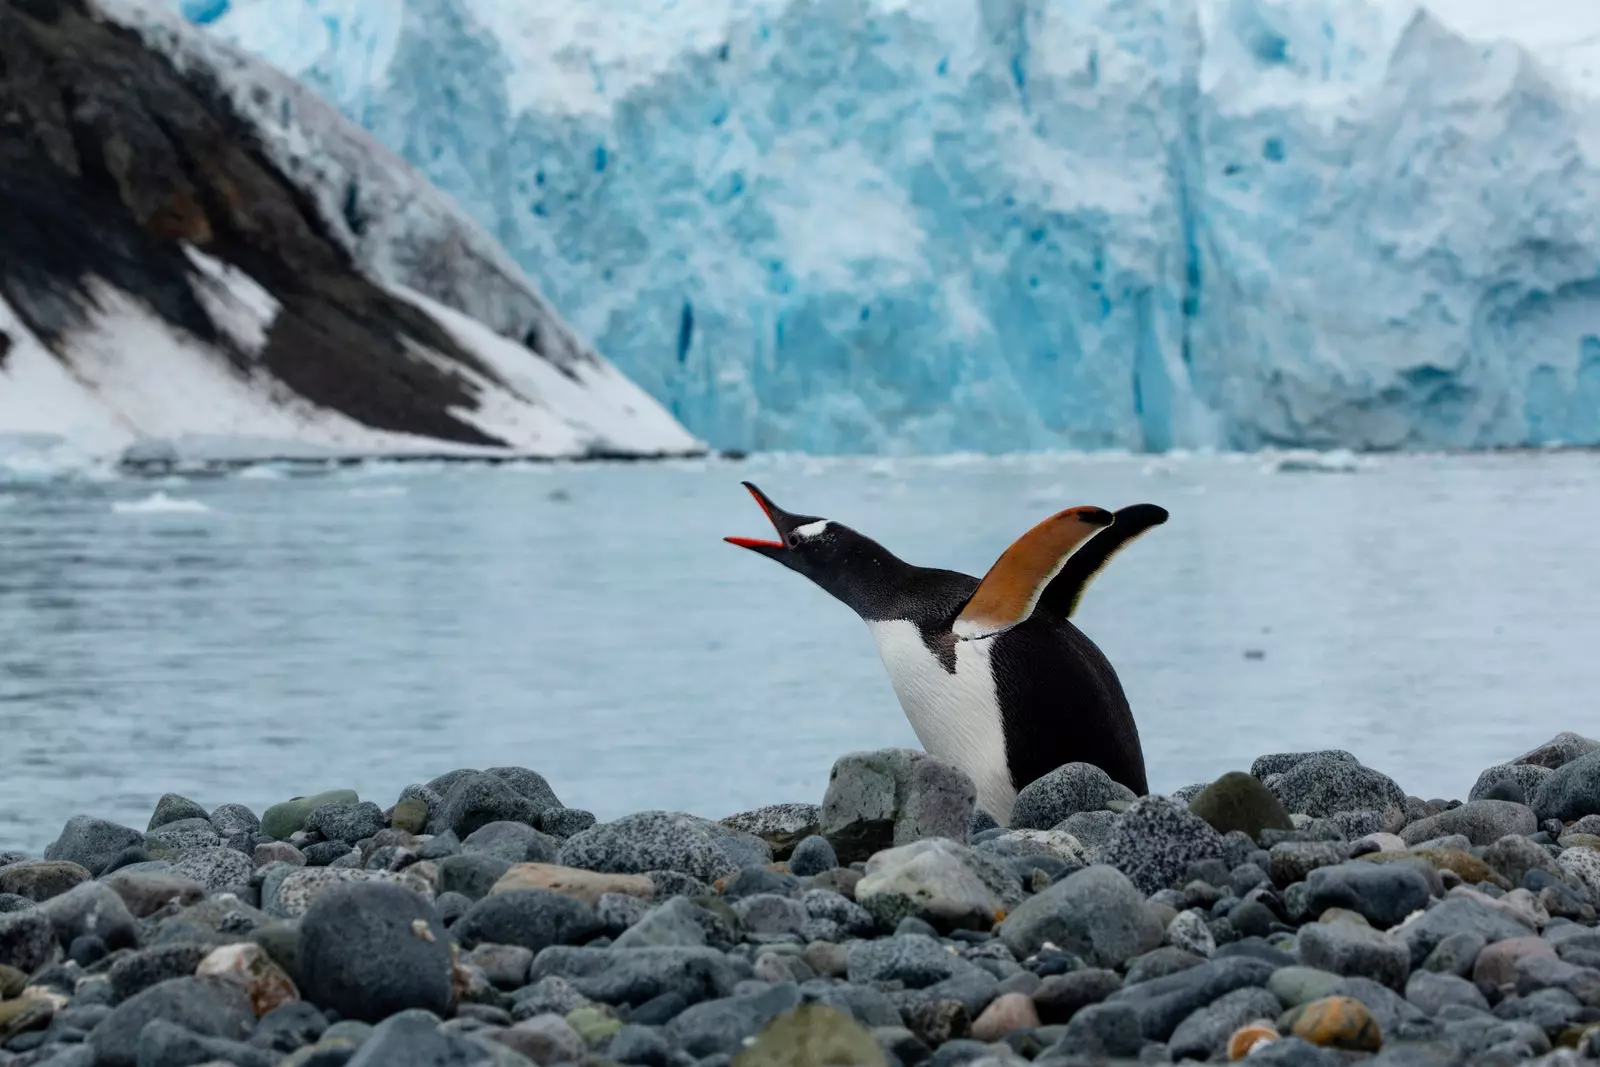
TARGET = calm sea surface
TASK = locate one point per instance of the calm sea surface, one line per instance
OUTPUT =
(258, 636)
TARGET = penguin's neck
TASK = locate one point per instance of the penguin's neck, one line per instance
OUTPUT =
(880, 586)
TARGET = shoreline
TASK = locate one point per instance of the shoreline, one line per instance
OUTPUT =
(1307, 905)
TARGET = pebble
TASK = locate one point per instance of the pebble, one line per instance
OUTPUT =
(812, 856)
(937, 880)
(532, 918)
(876, 800)
(513, 842)
(209, 1007)
(1068, 790)
(473, 875)
(650, 841)
(1481, 822)
(1205, 1032)
(1383, 893)
(1326, 784)
(1097, 913)
(92, 908)
(346, 822)
(781, 826)
(39, 880)
(236, 825)
(1004, 1015)
(297, 889)
(1156, 841)
(1559, 751)
(214, 868)
(1352, 950)
(587, 886)
(92, 843)
(172, 808)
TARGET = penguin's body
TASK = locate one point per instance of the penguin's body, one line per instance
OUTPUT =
(992, 674)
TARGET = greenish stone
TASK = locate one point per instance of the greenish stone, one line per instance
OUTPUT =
(1118, 806)
(12, 982)
(1238, 801)
(812, 1035)
(353, 1031)
(281, 820)
(17, 1016)
(1297, 985)
(1579, 841)
(593, 1024)
(410, 815)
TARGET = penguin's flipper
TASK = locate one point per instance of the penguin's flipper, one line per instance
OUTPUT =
(1065, 591)
(1008, 593)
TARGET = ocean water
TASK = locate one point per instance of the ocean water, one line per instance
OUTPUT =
(268, 634)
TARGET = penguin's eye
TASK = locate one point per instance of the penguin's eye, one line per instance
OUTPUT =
(794, 540)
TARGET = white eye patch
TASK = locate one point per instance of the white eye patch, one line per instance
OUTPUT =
(810, 529)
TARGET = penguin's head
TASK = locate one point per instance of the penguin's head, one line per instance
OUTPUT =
(827, 552)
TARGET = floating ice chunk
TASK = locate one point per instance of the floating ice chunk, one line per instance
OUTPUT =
(159, 503)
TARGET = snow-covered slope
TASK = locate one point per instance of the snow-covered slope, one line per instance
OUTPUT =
(871, 224)
(201, 257)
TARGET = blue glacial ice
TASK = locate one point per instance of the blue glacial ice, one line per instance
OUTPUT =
(871, 225)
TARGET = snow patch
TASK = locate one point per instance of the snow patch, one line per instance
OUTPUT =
(159, 503)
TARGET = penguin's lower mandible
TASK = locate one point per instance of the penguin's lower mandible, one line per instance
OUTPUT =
(993, 675)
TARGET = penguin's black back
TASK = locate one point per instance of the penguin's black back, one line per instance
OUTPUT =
(1061, 702)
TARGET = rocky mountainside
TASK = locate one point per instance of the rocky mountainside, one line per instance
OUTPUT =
(193, 249)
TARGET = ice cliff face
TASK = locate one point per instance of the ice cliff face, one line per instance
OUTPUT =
(195, 250)
(873, 225)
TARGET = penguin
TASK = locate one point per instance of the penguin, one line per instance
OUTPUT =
(992, 673)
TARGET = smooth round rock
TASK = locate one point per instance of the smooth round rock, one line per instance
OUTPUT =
(369, 949)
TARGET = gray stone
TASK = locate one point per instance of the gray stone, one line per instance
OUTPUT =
(1572, 792)
(505, 966)
(414, 1040)
(27, 940)
(513, 841)
(650, 841)
(1398, 1018)
(1097, 913)
(741, 849)
(1324, 785)
(1205, 1032)
(768, 913)
(1455, 953)
(635, 975)
(530, 785)
(1156, 841)
(216, 868)
(1535, 972)
(138, 971)
(476, 800)
(1513, 856)
(564, 822)
(1279, 762)
(1559, 751)
(1092, 829)
(290, 891)
(1582, 867)
(1065, 791)
(92, 843)
(532, 918)
(1348, 949)
(813, 855)
(544, 1039)
(679, 922)
(850, 917)
(1160, 962)
(172, 807)
(370, 950)
(1061, 996)
(1384, 893)
(146, 892)
(166, 1044)
(346, 822)
(1294, 985)
(1431, 991)
(781, 826)
(1527, 778)
(1293, 861)
(1481, 822)
(281, 820)
(913, 959)
(92, 910)
(1099, 1030)
(876, 800)
(237, 826)
(170, 839)
(721, 1026)
(471, 874)
(1459, 915)
(210, 1007)
(1188, 932)
(939, 881)
(1165, 1002)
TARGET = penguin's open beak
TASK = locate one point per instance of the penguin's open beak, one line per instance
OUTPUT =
(781, 521)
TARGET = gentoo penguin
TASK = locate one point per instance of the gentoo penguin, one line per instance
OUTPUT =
(992, 674)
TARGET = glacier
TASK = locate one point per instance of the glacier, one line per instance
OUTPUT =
(990, 225)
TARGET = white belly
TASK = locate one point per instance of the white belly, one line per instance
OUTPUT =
(955, 716)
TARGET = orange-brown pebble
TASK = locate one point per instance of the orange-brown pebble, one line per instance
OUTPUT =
(1339, 1022)
(250, 967)
(1247, 1038)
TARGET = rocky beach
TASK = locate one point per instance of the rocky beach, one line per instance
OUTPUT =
(1306, 911)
